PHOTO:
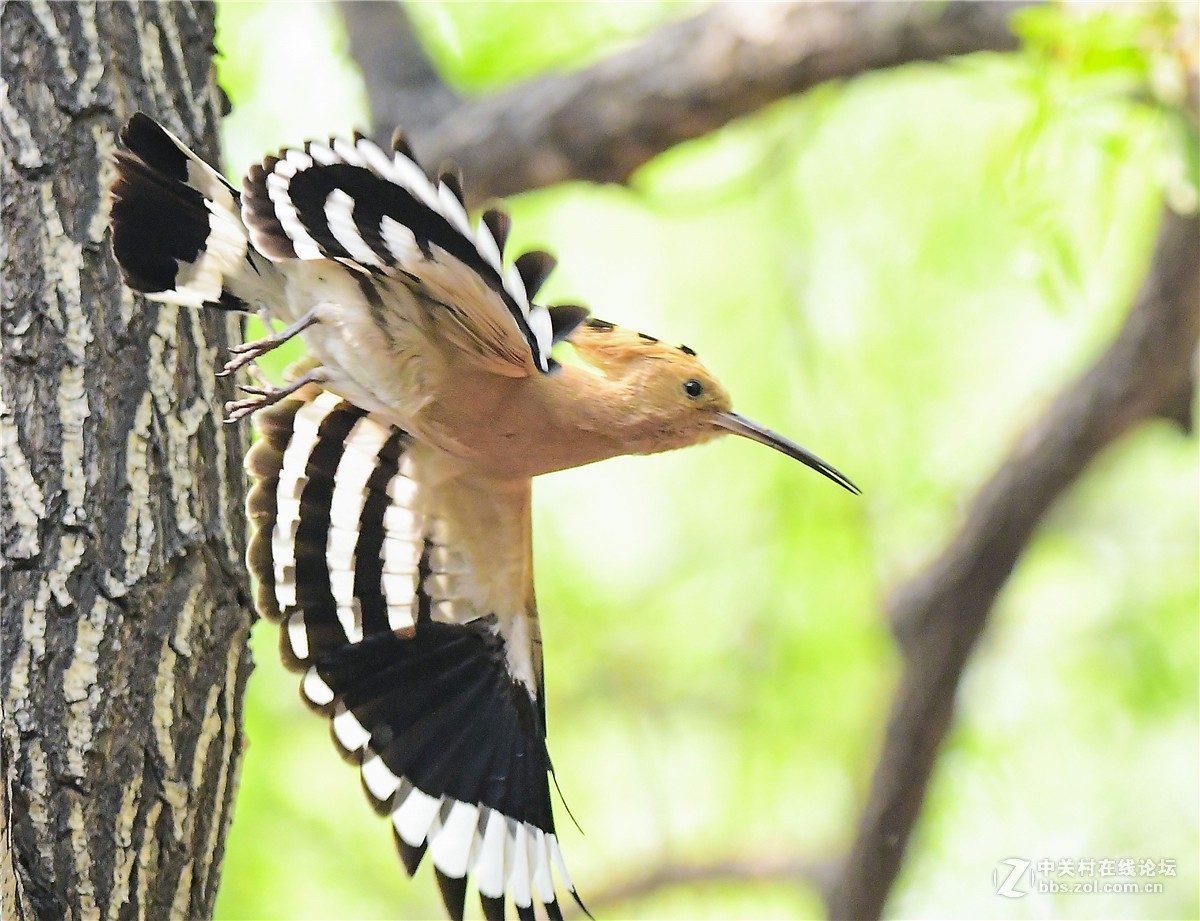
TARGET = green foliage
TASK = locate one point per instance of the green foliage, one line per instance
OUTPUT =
(899, 272)
(481, 46)
(286, 71)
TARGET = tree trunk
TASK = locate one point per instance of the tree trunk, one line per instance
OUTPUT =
(125, 608)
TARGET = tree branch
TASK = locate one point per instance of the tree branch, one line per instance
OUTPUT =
(787, 870)
(939, 615)
(687, 79)
(403, 87)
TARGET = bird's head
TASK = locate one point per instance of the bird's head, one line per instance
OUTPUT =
(671, 400)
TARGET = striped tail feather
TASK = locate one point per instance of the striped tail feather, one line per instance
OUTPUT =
(178, 235)
(450, 745)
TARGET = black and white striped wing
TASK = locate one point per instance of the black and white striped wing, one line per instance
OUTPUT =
(437, 701)
(177, 229)
(348, 200)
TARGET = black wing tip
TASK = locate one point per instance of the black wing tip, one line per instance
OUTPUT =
(401, 146)
(493, 909)
(451, 177)
(158, 222)
(583, 908)
(535, 267)
(565, 319)
(149, 142)
(410, 856)
(454, 893)
(132, 125)
(139, 125)
(499, 223)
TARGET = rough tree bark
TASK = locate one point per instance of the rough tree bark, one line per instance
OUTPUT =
(125, 608)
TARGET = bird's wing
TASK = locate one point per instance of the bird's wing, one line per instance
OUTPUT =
(348, 201)
(177, 229)
(404, 595)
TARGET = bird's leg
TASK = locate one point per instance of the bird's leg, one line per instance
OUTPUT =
(249, 351)
(264, 394)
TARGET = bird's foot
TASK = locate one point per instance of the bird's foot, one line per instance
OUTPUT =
(263, 394)
(247, 352)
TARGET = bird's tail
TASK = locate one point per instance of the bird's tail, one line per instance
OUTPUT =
(178, 233)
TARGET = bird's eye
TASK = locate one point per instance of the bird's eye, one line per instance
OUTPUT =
(693, 388)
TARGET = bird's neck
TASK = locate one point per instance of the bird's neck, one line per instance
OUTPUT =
(522, 427)
(595, 416)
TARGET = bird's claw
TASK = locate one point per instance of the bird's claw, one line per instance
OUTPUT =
(246, 352)
(240, 409)
(264, 394)
(260, 397)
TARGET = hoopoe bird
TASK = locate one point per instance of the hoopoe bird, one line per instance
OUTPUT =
(390, 510)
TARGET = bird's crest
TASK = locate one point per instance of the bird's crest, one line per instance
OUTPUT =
(612, 348)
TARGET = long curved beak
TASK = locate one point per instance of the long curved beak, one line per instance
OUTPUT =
(747, 428)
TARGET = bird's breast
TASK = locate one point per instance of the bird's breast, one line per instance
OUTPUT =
(515, 427)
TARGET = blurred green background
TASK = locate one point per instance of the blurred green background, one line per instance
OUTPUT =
(897, 271)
